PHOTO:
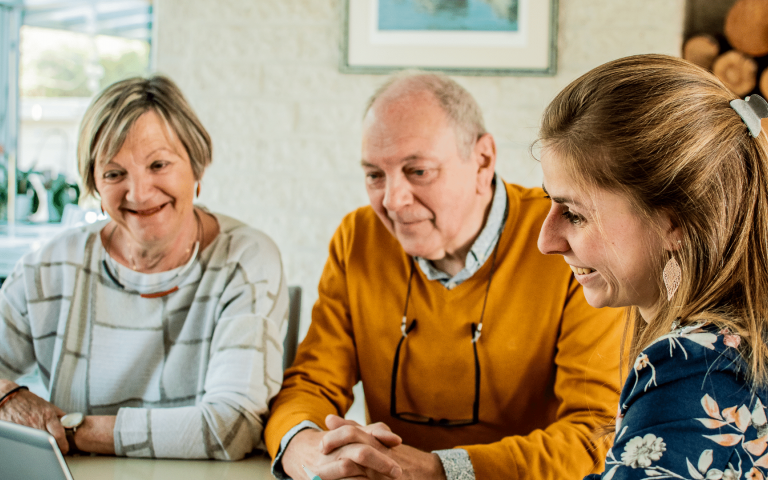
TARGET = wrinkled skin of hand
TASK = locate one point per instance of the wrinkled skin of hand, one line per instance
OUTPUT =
(349, 450)
(356, 452)
(26, 408)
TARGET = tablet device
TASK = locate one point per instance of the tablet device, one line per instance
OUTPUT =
(27, 453)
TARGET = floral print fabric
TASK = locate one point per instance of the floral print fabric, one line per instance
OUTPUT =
(687, 412)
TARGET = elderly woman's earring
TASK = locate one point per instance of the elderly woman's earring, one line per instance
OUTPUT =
(671, 277)
(198, 190)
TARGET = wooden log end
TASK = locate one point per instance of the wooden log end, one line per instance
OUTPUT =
(737, 71)
(763, 83)
(701, 50)
(746, 27)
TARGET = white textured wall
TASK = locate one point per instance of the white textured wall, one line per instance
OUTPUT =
(262, 75)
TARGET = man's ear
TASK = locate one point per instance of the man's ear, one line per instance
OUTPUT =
(484, 154)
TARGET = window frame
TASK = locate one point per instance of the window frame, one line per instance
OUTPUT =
(13, 15)
(10, 28)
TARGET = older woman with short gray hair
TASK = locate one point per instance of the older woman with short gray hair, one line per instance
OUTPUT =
(157, 331)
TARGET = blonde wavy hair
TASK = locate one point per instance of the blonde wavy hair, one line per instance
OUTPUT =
(660, 131)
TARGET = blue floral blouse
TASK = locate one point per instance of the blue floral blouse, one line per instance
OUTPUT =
(687, 412)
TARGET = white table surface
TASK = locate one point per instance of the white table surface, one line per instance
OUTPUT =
(119, 468)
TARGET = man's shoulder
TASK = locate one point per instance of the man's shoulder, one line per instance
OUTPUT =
(362, 224)
(362, 217)
(526, 210)
(362, 237)
(530, 197)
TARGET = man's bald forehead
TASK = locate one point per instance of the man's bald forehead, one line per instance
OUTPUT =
(415, 88)
(403, 90)
(399, 101)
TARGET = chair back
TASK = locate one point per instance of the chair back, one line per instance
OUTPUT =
(291, 341)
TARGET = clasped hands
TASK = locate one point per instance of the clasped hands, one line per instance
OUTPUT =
(349, 450)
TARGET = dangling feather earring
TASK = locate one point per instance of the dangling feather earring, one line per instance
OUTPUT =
(671, 277)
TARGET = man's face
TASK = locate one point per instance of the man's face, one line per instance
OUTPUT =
(420, 184)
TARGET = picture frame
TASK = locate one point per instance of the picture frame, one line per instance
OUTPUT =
(463, 37)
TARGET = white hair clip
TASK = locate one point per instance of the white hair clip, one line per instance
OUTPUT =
(751, 110)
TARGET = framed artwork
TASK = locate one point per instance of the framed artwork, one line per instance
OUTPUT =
(466, 37)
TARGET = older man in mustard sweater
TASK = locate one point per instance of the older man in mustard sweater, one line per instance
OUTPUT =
(478, 352)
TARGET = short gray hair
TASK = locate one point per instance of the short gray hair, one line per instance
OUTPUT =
(457, 103)
(114, 111)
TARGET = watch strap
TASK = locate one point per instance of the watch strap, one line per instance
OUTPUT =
(70, 433)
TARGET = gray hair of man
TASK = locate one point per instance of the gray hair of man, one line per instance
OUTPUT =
(457, 103)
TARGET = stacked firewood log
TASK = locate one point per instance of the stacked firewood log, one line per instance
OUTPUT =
(739, 57)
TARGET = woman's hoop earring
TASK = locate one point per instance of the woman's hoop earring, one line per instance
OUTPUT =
(671, 277)
(198, 190)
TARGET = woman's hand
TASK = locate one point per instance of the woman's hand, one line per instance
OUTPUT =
(26, 408)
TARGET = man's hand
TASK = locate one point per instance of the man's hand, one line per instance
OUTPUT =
(26, 408)
(380, 431)
(346, 435)
(353, 451)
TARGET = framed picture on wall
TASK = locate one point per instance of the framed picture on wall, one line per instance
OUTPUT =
(466, 37)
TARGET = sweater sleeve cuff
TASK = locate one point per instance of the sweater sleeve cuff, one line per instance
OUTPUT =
(277, 464)
(132, 435)
(456, 464)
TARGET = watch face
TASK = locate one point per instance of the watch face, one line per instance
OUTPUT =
(72, 420)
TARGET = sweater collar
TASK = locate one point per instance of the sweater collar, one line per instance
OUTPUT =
(481, 248)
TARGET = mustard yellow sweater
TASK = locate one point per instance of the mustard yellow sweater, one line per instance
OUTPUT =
(549, 361)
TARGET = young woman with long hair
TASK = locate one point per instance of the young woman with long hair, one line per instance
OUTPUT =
(658, 177)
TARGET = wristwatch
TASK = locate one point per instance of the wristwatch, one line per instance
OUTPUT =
(71, 422)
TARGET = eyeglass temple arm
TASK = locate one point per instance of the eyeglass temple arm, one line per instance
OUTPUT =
(476, 404)
(396, 365)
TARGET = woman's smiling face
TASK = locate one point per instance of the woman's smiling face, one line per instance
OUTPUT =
(610, 247)
(148, 187)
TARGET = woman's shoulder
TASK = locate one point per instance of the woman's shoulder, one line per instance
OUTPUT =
(688, 408)
(69, 245)
(682, 370)
(242, 243)
(689, 350)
